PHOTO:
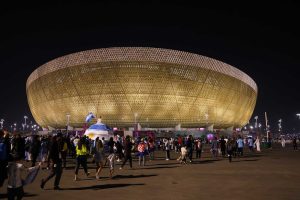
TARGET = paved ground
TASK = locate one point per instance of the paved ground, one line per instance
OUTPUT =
(272, 174)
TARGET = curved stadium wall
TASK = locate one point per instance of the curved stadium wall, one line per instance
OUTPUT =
(152, 86)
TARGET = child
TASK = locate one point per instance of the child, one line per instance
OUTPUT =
(15, 182)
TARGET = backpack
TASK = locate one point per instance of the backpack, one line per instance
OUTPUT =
(3, 153)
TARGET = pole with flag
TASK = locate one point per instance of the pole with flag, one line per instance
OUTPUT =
(88, 118)
(267, 127)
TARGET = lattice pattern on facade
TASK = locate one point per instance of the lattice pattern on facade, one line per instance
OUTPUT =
(162, 87)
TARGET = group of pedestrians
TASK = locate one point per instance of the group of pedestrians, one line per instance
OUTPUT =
(232, 147)
(54, 150)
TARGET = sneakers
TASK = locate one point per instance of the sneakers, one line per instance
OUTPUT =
(57, 188)
(167, 159)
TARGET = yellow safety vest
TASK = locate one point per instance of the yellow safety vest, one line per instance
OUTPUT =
(81, 152)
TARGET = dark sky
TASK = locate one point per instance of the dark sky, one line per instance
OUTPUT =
(261, 40)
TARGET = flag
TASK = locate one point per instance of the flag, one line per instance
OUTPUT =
(32, 173)
(89, 117)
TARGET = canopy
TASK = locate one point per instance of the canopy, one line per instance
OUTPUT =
(98, 130)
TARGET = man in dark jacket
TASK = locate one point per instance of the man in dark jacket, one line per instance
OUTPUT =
(189, 146)
(35, 149)
(4, 156)
(56, 162)
(128, 150)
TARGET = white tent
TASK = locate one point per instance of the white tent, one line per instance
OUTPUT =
(98, 130)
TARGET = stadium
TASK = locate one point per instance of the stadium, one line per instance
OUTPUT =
(154, 87)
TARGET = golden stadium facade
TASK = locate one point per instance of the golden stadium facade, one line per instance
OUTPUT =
(151, 86)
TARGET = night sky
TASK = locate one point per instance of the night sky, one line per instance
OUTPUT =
(260, 40)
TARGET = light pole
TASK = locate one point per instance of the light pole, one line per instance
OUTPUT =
(25, 117)
(135, 116)
(267, 126)
(1, 122)
(68, 121)
(147, 122)
(15, 125)
(298, 115)
(279, 125)
(256, 118)
(206, 119)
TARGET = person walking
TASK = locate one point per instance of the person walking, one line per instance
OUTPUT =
(111, 157)
(167, 148)
(64, 152)
(257, 144)
(55, 163)
(223, 146)
(142, 151)
(127, 150)
(282, 142)
(190, 148)
(250, 144)
(44, 150)
(98, 156)
(15, 182)
(214, 147)
(295, 144)
(198, 148)
(151, 148)
(4, 157)
(183, 154)
(119, 153)
(230, 147)
(81, 157)
(35, 149)
(240, 146)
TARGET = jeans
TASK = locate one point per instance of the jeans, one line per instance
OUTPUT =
(81, 160)
(127, 157)
(56, 170)
(15, 192)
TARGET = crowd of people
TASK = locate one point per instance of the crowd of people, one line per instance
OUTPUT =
(51, 152)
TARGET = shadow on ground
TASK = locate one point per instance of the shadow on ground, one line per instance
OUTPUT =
(205, 161)
(133, 176)
(158, 167)
(4, 196)
(246, 160)
(106, 186)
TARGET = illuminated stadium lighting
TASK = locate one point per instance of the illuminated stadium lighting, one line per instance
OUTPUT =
(148, 86)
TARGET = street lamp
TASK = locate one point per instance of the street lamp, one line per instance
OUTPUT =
(135, 116)
(68, 121)
(1, 122)
(15, 125)
(206, 118)
(279, 125)
(298, 115)
(25, 117)
(256, 117)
